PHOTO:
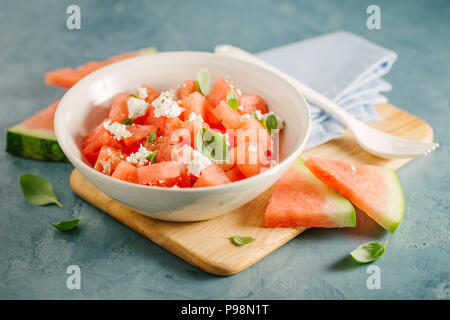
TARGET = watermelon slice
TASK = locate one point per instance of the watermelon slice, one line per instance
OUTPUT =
(67, 77)
(35, 138)
(374, 190)
(299, 199)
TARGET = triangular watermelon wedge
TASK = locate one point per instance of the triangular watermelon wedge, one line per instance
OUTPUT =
(299, 199)
(374, 190)
(35, 137)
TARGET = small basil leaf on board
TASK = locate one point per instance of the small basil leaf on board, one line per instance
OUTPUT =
(240, 241)
(67, 224)
(127, 121)
(271, 122)
(38, 190)
(204, 81)
(151, 137)
(232, 99)
(368, 252)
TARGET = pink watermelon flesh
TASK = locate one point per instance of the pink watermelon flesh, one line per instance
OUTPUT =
(374, 190)
(299, 199)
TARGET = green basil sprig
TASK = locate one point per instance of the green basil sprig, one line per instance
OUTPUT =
(204, 81)
(212, 145)
(38, 190)
(240, 241)
(232, 99)
(67, 224)
(127, 121)
(369, 252)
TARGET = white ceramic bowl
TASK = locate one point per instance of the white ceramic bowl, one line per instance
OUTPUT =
(75, 117)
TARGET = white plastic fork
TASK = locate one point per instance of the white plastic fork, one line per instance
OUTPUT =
(372, 140)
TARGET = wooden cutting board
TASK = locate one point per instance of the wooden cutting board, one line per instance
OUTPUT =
(206, 245)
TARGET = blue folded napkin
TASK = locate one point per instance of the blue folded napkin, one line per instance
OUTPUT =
(343, 67)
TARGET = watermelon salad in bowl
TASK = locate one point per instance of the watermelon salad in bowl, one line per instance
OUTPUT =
(182, 136)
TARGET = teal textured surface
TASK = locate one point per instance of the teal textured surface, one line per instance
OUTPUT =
(115, 261)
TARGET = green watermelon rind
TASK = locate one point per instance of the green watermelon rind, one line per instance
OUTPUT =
(391, 220)
(34, 144)
(347, 214)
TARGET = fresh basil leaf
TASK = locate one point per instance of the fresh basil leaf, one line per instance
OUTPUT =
(212, 145)
(151, 137)
(271, 122)
(232, 99)
(368, 252)
(127, 121)
(38, 190)
(204, 81)
(152, 157)
(240, 241)
(134, 96)
(67, 224)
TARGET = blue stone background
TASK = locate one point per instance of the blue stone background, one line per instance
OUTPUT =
(118, 263)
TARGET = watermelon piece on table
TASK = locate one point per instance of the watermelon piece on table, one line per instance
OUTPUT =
(35, 138)
(374, 190)
(299, 199)
(67, 77)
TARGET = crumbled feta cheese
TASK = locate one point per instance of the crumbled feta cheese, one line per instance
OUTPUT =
(195, 117)
(106, 167)
(240, 108)
(142, 93)
(251, 148)
(198, 163)
(118, 130)
(165, 105)
(136, 107)
(140, 157)
(280, 123)
(245, 116)
(258, 115)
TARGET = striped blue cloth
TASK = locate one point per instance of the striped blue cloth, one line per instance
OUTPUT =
(342, 66)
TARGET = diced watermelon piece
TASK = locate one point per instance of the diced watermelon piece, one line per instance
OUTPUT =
(188, 87)
(108, 159)
(234, 174)
(152, 94)
(252, 102)
(125, 171)
(196, 103)
(139, 134)
(67, 77)
(251, 130)
(229, 117)
(158, 173)
(95, 140)
(35, 138)
(211, 176)
(299, 199)
(374, 190)
(119, 109)
(220, 91)
(250, 159)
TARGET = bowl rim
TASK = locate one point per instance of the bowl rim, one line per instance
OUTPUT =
(121, 64)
